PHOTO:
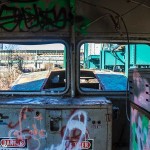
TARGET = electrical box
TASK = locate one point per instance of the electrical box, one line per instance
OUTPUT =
(83, 123)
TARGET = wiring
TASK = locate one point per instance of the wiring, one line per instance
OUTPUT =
(131, 9)
(117, 26)
(99, 18)
(116, 55)
(128, 118)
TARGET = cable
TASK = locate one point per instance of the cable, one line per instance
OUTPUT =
(127, 102)
(131, 9)
(114, 53)
(117, 57)
(127, 36)
(142, 3)
(99, 18)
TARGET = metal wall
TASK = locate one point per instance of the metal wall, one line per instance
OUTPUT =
(87, 18)
(56, 124)
(139, 84)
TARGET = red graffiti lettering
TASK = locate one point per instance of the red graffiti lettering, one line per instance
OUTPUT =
(23, 117)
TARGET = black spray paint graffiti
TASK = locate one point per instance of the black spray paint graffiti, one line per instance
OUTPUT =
(18, 1)
(23, 1)
(33, 18)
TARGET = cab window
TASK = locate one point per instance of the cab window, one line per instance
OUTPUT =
(104, 66)
(33, 67)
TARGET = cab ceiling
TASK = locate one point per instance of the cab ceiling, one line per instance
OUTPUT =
(85, 17)
(116, 16)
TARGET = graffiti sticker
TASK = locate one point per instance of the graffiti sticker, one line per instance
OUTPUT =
(84, 145)
(13, 143)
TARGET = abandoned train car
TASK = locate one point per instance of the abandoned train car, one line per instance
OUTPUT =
(74, 75)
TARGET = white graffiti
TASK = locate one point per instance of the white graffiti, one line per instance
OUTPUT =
(77, 121)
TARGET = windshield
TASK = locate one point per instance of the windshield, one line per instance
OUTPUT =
(33, 67)
(104, 66)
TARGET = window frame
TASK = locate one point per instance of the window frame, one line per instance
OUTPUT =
(38, 42)
(102, 93)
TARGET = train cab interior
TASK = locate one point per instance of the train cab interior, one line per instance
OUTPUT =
(65, 63)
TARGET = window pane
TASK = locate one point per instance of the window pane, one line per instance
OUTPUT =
(33, 67)
(104, 66)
